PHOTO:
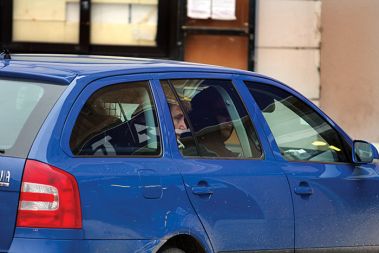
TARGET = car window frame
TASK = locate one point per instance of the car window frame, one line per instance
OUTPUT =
(92, 87)
(271, 82)
(239, 88)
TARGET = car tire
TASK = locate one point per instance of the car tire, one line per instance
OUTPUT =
(172, 250)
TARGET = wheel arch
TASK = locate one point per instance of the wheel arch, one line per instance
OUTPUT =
(186, 242)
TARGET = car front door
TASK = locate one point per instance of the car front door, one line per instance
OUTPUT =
(241, 197)
(336, 203)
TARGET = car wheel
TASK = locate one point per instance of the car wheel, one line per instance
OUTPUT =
(172, 250)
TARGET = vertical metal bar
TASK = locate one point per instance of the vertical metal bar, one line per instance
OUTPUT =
(2, 11)
(6, 11)
(85, 25)
(163, 25)
(252, 22)
(181, 34)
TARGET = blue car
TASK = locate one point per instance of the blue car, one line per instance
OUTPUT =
(107, 154)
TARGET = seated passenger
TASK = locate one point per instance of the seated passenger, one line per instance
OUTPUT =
(179, 121)
(212, 123)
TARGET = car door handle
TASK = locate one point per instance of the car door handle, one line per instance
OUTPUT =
(202, 190)
(303, 189)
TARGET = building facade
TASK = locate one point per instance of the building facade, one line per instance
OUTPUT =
(326, 49)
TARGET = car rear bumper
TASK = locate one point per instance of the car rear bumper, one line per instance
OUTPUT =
(22, 245)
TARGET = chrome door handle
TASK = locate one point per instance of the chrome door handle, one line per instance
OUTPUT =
(202, 190)
(303, 189)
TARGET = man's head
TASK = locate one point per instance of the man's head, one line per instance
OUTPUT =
(178, 119)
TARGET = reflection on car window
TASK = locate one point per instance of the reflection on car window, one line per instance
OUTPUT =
(117, 120)
(300, 132)
(212, 120)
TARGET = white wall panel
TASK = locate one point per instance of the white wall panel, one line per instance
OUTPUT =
(288, 23)
(296, 68)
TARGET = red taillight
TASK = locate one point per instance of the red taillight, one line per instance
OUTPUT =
(49, 198)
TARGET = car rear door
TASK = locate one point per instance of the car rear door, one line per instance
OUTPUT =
(335, 202)
(24, 105)
(240, 196)
(129, 186)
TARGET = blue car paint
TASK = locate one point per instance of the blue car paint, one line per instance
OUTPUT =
(9, 197)
(163, 218)
(21, 245)
(243, 204)
(36, 72)
(343, 207)
(178, 174)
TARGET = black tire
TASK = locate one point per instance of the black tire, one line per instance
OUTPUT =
(172, 250)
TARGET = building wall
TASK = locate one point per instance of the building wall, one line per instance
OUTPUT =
(288, 43)
(350, 66)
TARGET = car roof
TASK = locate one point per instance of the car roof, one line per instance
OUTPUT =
(64, 68)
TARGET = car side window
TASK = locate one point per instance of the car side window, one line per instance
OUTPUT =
(117, 120)
(210, 119)
(300, 132)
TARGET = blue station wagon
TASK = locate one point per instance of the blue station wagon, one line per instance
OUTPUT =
(108, 154)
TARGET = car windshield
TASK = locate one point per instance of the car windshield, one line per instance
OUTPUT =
(23, 107)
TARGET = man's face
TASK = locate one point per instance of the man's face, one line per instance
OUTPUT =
(178, 119)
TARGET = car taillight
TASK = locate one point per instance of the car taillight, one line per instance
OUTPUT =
(49, 198)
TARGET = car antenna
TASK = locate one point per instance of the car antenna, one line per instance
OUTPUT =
(5, 55)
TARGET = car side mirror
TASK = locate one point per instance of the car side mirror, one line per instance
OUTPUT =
(364, 152)
(375, 150)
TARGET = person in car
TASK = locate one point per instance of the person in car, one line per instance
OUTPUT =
(178, 119)
(213, 129)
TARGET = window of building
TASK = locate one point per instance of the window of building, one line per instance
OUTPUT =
(117, 27)
(54, 21)
(125, 22)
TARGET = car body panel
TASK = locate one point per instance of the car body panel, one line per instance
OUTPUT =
(121, 188)
(342, 209)
(67, 246)
(10, 182)
(48, 74)
(250, 198)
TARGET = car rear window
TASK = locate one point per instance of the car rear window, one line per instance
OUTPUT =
(24, 106)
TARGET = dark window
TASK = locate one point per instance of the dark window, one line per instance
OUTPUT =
(130, 28)
(24, 106)
(300, 132)
(210, 119)
(118, 120)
